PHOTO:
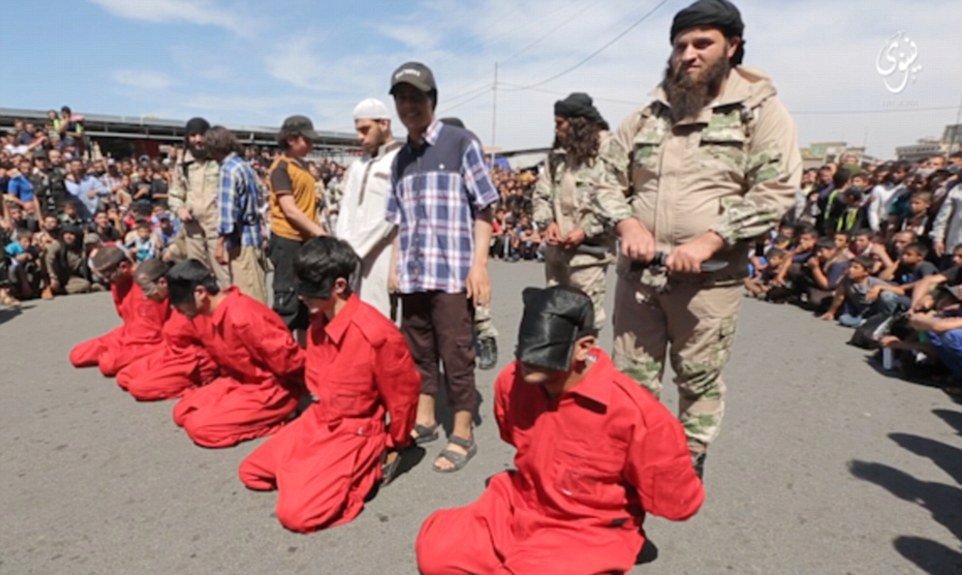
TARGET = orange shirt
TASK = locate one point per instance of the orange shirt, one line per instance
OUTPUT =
(289, 176)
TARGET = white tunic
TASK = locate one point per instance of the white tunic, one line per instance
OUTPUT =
(361, 223)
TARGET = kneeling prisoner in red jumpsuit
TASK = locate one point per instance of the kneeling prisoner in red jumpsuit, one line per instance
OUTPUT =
(181, 362)
(359, 369)
(143, 318)
(595, 452)
(261, 367)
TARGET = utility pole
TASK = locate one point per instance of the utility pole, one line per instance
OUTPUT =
(494, 114)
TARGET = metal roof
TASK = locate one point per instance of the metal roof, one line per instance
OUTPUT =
(103, 125)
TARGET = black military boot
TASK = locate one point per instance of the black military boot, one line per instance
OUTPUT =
(698, 462)
(487, 353)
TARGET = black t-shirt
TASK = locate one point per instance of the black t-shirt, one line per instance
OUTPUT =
(58, 187)
(158, 187)
(906, 274)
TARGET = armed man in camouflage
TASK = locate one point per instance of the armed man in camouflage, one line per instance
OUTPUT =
(710, 164)
(194, 182)
(578, 248)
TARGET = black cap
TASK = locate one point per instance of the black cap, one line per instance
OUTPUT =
(299, 126)
(716, 13)
(416, 74)
(197, 126)
(577, 105)
(554, 319)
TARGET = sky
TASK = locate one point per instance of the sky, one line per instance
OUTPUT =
(252, 62)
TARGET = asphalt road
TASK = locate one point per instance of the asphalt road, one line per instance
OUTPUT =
(823, 466)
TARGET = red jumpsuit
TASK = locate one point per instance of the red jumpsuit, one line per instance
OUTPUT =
(325, 462)
(180, 363)
(140, 334)
(261, 370)
(590, 464)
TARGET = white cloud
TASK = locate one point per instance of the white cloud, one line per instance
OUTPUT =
(200, 12)
(414, 36)
(143, 79)
(820, 54)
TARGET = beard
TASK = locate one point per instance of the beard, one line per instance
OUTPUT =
(198, 152)
(686, 95)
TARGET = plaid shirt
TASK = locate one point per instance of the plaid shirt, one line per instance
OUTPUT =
(240, 202)
(437, 190)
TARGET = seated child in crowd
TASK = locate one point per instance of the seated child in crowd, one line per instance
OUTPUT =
(851, 295)
(24, 268)
(143, 246)
(762, 282)
(939, 334)
(819, 275)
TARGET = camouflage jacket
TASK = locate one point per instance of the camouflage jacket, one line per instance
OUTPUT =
(564, 195)
(732, 170)
(194, 184)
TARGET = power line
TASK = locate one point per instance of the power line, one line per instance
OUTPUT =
(551, 31)
(467, 96)
(530, 45)
(467, 91)
(471, 99)
(520, 88)
(607, 45)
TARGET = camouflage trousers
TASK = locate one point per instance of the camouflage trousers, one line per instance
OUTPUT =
(698, 324)
(483, 324)
(589, 279)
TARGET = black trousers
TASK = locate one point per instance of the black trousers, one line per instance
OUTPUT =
(440, 325)
(292, 311)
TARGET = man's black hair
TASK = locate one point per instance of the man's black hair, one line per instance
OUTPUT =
(841, 177)
(860, 232)
(148, 272)
(320, 262)
(864, 261)
(775, 253)
(186, 276)
(825, 243)
(917, 247)
(108, 257)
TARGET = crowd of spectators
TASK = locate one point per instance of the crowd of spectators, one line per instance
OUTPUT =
(864, 245)
(514, 235)
(62, 200)
(876, 248)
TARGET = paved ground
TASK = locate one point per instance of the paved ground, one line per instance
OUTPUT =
(824, 466)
